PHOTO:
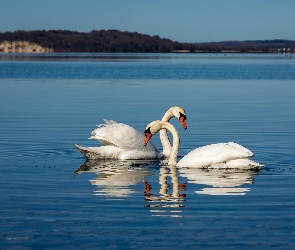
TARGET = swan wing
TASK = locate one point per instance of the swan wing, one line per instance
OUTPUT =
(217, 154)
(121, 135)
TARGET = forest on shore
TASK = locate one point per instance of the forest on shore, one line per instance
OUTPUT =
(124, 41)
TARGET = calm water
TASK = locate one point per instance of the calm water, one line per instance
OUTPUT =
(51, 198)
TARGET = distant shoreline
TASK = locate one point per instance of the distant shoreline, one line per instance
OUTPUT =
(114, 41)
(35, 49)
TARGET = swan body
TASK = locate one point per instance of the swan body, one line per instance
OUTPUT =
(121, 141)
(219, 155)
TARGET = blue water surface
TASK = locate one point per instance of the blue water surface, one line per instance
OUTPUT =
(52, 198)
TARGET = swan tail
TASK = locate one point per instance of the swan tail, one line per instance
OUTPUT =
(86, 152)
(103, 152)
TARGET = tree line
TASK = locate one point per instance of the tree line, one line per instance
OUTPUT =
(124, 41)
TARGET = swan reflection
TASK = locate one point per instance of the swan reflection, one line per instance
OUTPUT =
(165, 194)
(115, 178)
(220, 181)
(171, 196)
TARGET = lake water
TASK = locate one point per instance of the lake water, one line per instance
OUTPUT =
(52, 198)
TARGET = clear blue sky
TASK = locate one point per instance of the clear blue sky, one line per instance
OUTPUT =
(178, 20)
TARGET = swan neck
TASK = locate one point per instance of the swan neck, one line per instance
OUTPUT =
(176, 142)
(165, 143)
(167, 116)
(163, 134)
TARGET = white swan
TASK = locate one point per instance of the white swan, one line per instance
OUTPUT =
(120, 141)
(220, 155)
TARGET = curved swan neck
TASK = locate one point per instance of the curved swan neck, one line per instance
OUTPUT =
(163, 133)
(168, 115)
(176, 142)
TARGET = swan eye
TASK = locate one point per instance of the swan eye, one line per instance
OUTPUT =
(182, 119)
(147, 131)
(148, 136)
(182, 115)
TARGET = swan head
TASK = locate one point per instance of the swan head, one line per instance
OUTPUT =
(151, 129)
(179, 113)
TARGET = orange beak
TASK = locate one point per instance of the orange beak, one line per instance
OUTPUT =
(148, 136)
(183, 122)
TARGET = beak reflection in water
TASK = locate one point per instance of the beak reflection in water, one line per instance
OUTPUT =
(171, 197)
